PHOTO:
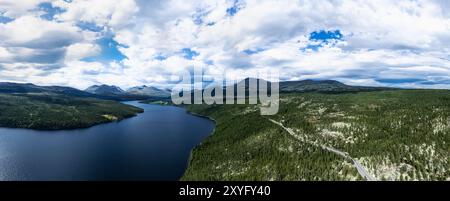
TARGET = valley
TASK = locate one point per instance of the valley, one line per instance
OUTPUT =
(324, 130)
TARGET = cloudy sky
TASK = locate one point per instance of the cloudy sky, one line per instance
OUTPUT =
(78, 43)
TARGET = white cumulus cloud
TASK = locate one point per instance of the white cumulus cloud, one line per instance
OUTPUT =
(384, 43)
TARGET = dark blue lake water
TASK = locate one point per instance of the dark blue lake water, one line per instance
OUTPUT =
(154, 145)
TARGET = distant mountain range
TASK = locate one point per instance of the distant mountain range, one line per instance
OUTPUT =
(139, 93)
(324, 86)
(320, 86)
(149, 91)
(152, 93)
(8, 87)
(96, 91)
(104, 90)
(303, 86)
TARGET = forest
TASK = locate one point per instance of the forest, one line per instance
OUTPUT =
(53, 111)
(394, 134)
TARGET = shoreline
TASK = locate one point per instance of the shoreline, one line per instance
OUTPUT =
(193, 114)
(82, 127)
(74, 128)
(191, 152)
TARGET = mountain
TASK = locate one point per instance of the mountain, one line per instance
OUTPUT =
(323, 86)
(320, 86)
(105, 90)
(114, 93)
(100, 92)
(149, 91)
(153, 93)
(14, 88)
(134, 93)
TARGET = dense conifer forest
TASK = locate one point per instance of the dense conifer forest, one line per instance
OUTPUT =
(395, 135)
(52, 112)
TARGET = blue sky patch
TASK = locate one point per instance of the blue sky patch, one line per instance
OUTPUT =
(320, 38)
(89, 26)
(160, 58)
(323, 35)
(198, 20)
(253, 51)
(313, 47)
(110, 51)
(199, 15)
(231, 11)
(49, 10)
(188, 53)
(4, 19)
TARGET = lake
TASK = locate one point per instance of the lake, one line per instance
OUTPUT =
(154, 145)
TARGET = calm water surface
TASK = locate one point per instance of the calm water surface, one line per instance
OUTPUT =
(154, 145)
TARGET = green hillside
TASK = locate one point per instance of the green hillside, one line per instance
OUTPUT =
(53, 111)
(395, 135)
